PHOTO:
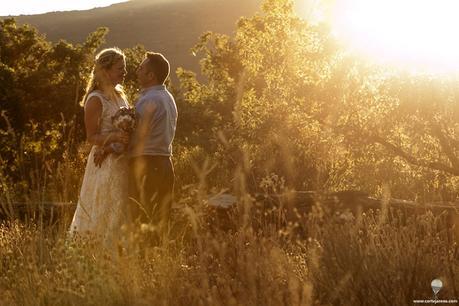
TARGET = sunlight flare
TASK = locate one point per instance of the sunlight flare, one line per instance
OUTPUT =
(416, 34)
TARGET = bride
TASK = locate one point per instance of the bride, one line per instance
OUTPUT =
(101, 208)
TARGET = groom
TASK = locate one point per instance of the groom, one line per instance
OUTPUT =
(152, 172)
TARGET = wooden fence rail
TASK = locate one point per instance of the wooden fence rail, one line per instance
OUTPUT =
(294, 203)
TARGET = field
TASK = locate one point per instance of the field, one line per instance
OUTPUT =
(254, 256)
(371, 262)
(278, 107)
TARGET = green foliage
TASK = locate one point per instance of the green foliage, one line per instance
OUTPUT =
(400, 126)
(281, 97)
(40, 164)
(45, 80)
(262, 89)
(134, 57)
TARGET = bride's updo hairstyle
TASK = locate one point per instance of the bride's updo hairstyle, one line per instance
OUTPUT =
(98, 79)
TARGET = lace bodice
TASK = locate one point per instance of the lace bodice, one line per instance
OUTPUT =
(109, 108)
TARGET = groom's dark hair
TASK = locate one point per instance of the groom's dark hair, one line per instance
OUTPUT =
(159, 65)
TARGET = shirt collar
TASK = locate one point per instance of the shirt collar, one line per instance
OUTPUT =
(154, 87)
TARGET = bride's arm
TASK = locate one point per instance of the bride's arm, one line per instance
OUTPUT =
(92, 115)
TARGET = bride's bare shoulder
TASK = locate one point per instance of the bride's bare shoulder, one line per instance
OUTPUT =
(93, 99)
(93, 103)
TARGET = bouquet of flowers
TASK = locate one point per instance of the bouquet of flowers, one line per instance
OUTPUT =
(123, 120)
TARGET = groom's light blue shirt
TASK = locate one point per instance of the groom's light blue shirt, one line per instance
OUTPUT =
(156, 114)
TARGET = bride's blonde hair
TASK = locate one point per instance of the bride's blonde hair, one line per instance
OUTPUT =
(104, 60)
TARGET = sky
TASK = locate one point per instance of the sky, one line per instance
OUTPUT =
(28, 7)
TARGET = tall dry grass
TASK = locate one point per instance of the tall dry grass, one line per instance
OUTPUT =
(373, 260)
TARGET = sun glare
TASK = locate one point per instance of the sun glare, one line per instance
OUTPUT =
(414, 34)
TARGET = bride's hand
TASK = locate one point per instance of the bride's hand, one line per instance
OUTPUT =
(121, 137)
(99, 156)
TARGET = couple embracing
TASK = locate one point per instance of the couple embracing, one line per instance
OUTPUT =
(129, 177)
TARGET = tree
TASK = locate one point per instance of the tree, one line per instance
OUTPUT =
(261, 87)
(288, 100)
(46, 80)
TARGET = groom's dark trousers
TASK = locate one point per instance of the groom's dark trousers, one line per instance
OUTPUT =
(151, 189)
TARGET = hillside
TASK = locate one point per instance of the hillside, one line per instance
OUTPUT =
(168, 26)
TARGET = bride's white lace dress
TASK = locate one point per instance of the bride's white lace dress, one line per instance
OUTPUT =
(102, 208)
